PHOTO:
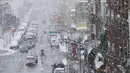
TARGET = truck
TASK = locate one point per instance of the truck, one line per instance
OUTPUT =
(58, 68)
(54, 41)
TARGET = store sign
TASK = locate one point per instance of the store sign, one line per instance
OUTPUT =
(82, 25)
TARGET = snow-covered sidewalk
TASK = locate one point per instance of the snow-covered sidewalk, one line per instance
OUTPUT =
(5, 42)
(4, 50)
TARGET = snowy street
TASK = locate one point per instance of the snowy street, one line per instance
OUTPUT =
(15, 62)
(64, 36)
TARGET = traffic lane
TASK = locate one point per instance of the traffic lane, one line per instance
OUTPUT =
(53, 55)
(39, 68)
(39, 45)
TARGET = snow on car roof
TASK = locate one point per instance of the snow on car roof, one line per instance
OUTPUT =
(32, 29)
(34, 24)
(19, 32)
(60, 69)
(17, 37)
(24, 23)
(31, 56)
(28, 36)
(21, 27)
(30, 33)
(83, 1)
(14, 43)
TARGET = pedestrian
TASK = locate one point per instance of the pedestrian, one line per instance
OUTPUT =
(93, 36)
(74, 46)
(85, 55)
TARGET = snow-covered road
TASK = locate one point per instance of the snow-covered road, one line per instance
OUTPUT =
(15, 63)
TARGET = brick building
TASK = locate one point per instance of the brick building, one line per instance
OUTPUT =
(118, 32)
(113, 14)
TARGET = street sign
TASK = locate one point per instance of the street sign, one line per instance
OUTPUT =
(53, 33)
(82, 25)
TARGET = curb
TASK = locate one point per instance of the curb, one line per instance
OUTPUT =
(11, 52)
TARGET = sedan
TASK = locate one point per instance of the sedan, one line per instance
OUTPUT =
(31, 60)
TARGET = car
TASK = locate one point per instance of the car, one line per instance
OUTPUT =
(24, 24)
(34, 30)
(19, 33)
(14, 44)
(54, 42)
(21, 28)
(17, 38)
(30, 44)
(34, 26)
(30, 36)
(58, 68)
(31, 60)
(24, 49)
(29, 40)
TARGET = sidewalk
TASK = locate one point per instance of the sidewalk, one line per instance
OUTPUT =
(5, 41)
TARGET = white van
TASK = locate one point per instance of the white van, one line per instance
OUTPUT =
(54, 41)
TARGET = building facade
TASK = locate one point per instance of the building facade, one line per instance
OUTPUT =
(113, 15)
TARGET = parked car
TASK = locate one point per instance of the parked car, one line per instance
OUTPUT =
(34, 26)
(19, 33)
(30, 35)
(24, 49)
(58, 68)
(17, 38)
(25, 24)
(21, 28)
(31, 60)
(14, 45)
(54, 42)
(32, 30)
(29, 40)
(30, 44)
